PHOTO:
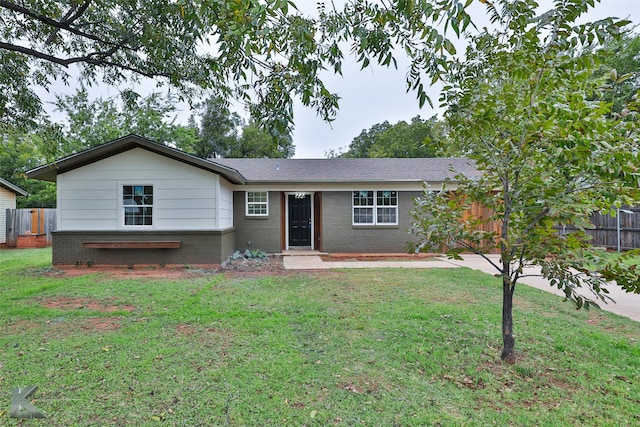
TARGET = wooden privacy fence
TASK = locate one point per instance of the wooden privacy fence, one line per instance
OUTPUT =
(618, 232)
(30, 227)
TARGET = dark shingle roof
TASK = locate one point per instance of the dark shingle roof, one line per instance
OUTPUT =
(351, 170)
(241, 171)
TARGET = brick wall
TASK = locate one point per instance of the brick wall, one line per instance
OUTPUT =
(196, 247)
(257, 232)
(339, 235)
(31, 241)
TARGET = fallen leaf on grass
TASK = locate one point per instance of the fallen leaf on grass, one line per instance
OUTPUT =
(351, 387)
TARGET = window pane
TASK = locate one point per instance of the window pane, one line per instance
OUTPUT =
(257, 197)
(363, 198)
(387, 198)
(257, 209)
(387, 215)
(363, 215)
(257, 202)
(137, 202)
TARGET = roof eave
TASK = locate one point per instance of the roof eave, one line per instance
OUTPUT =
(13, 188)
(355, 182)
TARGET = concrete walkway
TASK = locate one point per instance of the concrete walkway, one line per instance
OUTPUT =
(626, 304)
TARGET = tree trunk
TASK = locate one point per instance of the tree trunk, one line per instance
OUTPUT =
(508, 342)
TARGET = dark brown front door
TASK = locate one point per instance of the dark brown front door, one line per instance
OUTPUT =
(299, 220)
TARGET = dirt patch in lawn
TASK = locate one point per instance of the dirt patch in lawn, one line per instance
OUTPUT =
(66, 327)
(235, 267)
(65, 303)
(270, 266)
(102, 324)
(123, 272)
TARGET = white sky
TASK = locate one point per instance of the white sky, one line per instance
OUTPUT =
(370, 96)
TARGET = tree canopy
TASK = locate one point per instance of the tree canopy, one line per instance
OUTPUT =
(19, 152)
(520, 104)
(419, 138)
(223, 133)
(89, 122)
(620, 70)
(265, 53)
(256, 142)
(217, 129)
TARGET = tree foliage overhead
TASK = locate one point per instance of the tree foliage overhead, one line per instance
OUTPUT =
(223, 133)
(92, 122)
(217, 129)
(520, 104)
(256, 142)
(19, 152)
(419, 138)
(265, 53)
(621, 70)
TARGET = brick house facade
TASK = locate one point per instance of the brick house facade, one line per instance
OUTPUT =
(133, 201)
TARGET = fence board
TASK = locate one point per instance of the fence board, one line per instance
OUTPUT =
(607, 229)
(36, 221)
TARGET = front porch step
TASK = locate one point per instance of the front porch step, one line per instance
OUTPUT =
(301, 252)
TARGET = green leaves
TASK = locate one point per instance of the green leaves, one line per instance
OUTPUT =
(262, 52)
(419, 138)
(521, 104)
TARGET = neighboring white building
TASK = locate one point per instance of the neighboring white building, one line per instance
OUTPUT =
(8, 193)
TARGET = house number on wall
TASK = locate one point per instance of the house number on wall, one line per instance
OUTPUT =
(300, 195)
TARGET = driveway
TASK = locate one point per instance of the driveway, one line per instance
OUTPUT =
(626, 304)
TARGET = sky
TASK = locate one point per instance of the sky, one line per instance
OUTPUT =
(377, 94)
(372, 95)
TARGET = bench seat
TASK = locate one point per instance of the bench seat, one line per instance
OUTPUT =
(131, 244)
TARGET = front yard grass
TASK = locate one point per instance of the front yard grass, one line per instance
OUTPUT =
(387, 347)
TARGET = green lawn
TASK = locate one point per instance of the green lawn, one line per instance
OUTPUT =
(388, 347)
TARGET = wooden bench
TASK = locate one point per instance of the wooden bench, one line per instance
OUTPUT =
(129, 244)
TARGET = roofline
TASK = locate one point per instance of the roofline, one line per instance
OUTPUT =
(337, 181)
(13, 188)
(126, 143)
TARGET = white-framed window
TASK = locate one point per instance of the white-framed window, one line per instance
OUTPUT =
(137, 205)
(375, 207)
(257, 203)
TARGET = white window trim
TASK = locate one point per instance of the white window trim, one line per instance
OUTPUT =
(375, 210)
(121, 205)
(246, 204)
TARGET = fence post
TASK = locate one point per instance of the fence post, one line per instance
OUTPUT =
(626, 211)
(12, 228)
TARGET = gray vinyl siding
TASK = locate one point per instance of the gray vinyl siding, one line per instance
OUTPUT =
(340, 236)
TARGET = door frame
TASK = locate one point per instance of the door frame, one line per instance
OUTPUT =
(285, 215)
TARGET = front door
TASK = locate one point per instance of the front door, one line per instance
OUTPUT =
(299, 220)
